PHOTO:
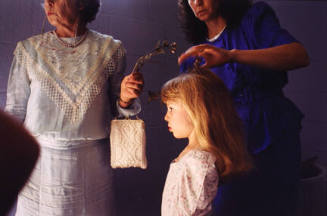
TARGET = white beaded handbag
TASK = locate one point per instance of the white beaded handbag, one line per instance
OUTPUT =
(128, 143)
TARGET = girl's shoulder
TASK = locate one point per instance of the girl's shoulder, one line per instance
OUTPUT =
(199, 166)
(198, 157)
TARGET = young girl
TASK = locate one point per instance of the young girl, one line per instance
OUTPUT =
(200, 108)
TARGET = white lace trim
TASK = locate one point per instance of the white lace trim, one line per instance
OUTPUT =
(72, 78)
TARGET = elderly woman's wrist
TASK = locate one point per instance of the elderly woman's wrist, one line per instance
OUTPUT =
(125, 102)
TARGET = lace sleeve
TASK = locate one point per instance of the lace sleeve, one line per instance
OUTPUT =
(18, 89)
(208, 191)
(198, 186)
(116, 68)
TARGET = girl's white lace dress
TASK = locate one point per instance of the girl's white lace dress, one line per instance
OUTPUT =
(191, 185)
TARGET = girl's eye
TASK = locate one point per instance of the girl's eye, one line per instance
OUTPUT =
(170, 109)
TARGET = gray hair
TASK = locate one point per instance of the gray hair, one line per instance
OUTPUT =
(90, 8)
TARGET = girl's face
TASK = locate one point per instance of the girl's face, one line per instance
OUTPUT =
(60, 12)
(204, 10)
(179, 122)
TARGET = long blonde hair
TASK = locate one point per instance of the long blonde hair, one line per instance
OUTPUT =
(217, 126)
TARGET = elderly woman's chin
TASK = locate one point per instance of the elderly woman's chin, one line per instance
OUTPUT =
(52, 20)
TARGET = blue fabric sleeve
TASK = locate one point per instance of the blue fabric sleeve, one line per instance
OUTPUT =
(263, 27)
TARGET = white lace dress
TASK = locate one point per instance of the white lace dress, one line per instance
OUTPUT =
(191, 185)
(65, 97)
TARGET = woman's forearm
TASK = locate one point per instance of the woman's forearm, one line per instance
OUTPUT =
(284, 57)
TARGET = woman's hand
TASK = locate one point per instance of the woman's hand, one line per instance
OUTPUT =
(131, 87)
(212, 55)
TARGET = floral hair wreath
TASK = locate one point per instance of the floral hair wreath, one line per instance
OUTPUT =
(160, 48)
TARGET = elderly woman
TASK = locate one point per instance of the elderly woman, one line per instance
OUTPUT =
(246, 47)
(64, 85)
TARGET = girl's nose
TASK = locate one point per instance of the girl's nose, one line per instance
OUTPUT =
(166, 117)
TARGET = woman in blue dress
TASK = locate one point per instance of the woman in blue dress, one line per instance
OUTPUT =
(246, 47)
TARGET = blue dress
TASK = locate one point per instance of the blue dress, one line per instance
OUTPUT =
(272, 122)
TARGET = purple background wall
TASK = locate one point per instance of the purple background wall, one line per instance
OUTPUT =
(139, 24)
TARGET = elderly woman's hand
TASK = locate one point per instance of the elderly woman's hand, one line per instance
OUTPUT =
(212, 55)
(131, 87)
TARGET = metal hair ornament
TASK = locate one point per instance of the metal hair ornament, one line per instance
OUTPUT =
(160, 48)
(197, 66)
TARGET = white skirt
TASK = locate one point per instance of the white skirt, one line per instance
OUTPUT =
(72, 181)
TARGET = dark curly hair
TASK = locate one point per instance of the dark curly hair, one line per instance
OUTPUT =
(90, 8)
(196, 31)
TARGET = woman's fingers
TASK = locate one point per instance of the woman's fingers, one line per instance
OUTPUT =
(191, 52)
(135, 81)
(194, 51)
(137, 76)
(213, 56)
(132, 86)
